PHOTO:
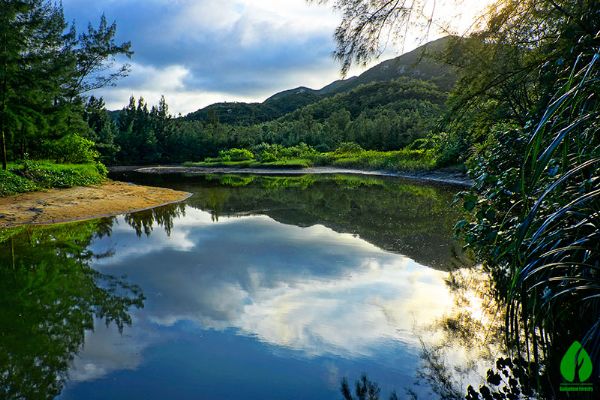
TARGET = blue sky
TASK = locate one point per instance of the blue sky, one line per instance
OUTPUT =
(197, 52)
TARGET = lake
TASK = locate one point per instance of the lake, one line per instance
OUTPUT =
(256, 287)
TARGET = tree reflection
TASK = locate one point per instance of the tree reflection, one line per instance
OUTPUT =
(143, 222)
(413, 219)
(49, 297)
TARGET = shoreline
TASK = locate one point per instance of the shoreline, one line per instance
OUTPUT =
(445, 177)
(82, 203)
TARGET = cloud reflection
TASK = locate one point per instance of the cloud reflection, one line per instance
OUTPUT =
(311, 289)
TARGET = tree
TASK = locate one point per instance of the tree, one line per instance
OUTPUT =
(45, 69)
(367, 23)
(30, 54)
(103, 129)
(95, 54)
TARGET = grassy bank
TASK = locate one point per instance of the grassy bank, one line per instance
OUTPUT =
(400, 160)
(30, 176)
(298, 163)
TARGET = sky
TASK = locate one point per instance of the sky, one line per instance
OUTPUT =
(199, 52)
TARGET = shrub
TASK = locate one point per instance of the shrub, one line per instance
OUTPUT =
(236, 155)
(421, 144)
(301, 150)
(349, 147)
(72, 149)
(12, 184)
(50, 175)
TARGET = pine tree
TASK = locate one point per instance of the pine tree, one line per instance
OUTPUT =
(45, 69)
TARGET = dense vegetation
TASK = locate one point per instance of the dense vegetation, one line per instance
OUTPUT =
(380, 116)
(524, 115)
(38, 175)
(46, 69)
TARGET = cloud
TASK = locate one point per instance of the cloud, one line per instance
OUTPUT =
(197, 52)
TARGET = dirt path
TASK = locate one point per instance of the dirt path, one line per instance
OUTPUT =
(79, 203)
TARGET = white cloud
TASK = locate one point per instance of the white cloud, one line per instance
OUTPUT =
(197, 52)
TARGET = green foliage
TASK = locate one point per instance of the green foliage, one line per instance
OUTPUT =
(535, 219)
(46, 67)
(103, 129)
(37, 175)
(348, 155)
(48, 175)
(401, 160)
(12, 184)
(72, 149)
(377, 116)
(349, 148)
(235, 155)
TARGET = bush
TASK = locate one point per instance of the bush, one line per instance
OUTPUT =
(72, 149)
(12, 184)
(236, 155)
(421, 144)
(349, 147)
(301, 150)
(51, 175)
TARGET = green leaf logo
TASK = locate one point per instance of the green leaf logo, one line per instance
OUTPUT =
(576, 363)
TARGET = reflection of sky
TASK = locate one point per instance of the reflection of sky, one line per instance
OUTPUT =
(306, 293)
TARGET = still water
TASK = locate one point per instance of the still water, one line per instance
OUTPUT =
(254, 288)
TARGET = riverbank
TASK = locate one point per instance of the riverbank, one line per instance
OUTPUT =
(439, 176)
(81, 203)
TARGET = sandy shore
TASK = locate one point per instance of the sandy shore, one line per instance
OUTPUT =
(80, 203)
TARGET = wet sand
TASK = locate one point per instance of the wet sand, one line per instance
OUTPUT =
(81, 203)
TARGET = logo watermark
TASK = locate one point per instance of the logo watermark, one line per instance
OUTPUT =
(576, 368)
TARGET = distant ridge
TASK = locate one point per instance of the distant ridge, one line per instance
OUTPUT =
(417, 64)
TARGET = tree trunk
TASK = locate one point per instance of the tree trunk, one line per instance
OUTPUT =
(3, 148)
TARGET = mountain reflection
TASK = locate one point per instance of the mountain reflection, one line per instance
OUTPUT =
(415, 220)
(290, 286)
(49, 298)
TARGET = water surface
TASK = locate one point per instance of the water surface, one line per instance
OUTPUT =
(255, 288)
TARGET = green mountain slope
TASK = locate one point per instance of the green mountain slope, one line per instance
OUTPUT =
(419, 64)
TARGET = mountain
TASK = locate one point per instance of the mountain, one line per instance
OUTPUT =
(250, 113)
(420, 64)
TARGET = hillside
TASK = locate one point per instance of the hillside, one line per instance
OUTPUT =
(238, 113)
(419, 64)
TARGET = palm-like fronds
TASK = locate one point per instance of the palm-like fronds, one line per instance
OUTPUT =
(554, 295)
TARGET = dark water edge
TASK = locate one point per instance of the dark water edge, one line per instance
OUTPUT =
(447, 177)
